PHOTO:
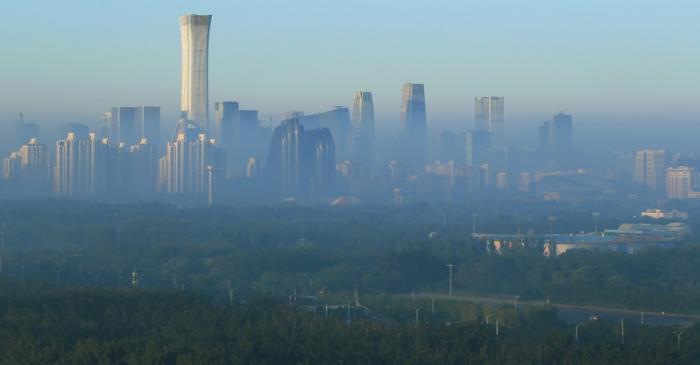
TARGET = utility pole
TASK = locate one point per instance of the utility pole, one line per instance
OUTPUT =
(496, 328)
(357, 297)
(450, 266)
(576, 332)
(473, 223)
(230, 292)
(595, 221)
(678, 341)
(622, 327)
(551, 220)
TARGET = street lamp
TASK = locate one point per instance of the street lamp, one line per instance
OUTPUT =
(576, 332)
(450, 266)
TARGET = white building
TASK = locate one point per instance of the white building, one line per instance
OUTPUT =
(679, 182)
(489, 117)
(194, 91)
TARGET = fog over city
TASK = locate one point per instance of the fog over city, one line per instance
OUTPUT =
(358, 182)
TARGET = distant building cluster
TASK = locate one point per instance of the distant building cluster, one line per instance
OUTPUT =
(236, 154)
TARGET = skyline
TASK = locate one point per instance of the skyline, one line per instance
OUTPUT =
(573, 58)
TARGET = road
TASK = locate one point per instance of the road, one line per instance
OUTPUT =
(504, 300)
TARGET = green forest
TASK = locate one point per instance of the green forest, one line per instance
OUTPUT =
(160, 284)
(42, 324)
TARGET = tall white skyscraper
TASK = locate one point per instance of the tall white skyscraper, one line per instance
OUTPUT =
(194, 91)
(488, 116)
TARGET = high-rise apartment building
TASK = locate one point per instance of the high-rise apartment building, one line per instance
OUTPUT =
(649, 169)
(679, 182)
(414, 123)
(27, 169)
(87, 167)
(194, 86)
(489, 117)
(187, 160)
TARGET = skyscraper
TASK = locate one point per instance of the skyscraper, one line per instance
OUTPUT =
(301, 162)
(488, 116)
(149, 124)
(649, 169)
(194, 90)
(124, 124)
(338, 121)
(225, 123)
(414, 123)
(318, 162)
(282, 168)
(561, 134)
(477, 147)
(363, 113)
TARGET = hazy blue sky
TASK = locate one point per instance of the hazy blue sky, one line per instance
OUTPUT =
(600, 60)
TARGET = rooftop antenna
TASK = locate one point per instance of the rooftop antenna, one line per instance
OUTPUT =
(134, 278)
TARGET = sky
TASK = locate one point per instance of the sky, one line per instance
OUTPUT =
(602, 61)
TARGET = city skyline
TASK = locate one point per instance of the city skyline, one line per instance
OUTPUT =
(604, 66)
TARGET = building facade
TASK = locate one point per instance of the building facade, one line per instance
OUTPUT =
(194, 86)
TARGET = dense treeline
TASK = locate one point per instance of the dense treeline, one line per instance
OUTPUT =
(40, 324)
(277, 250)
